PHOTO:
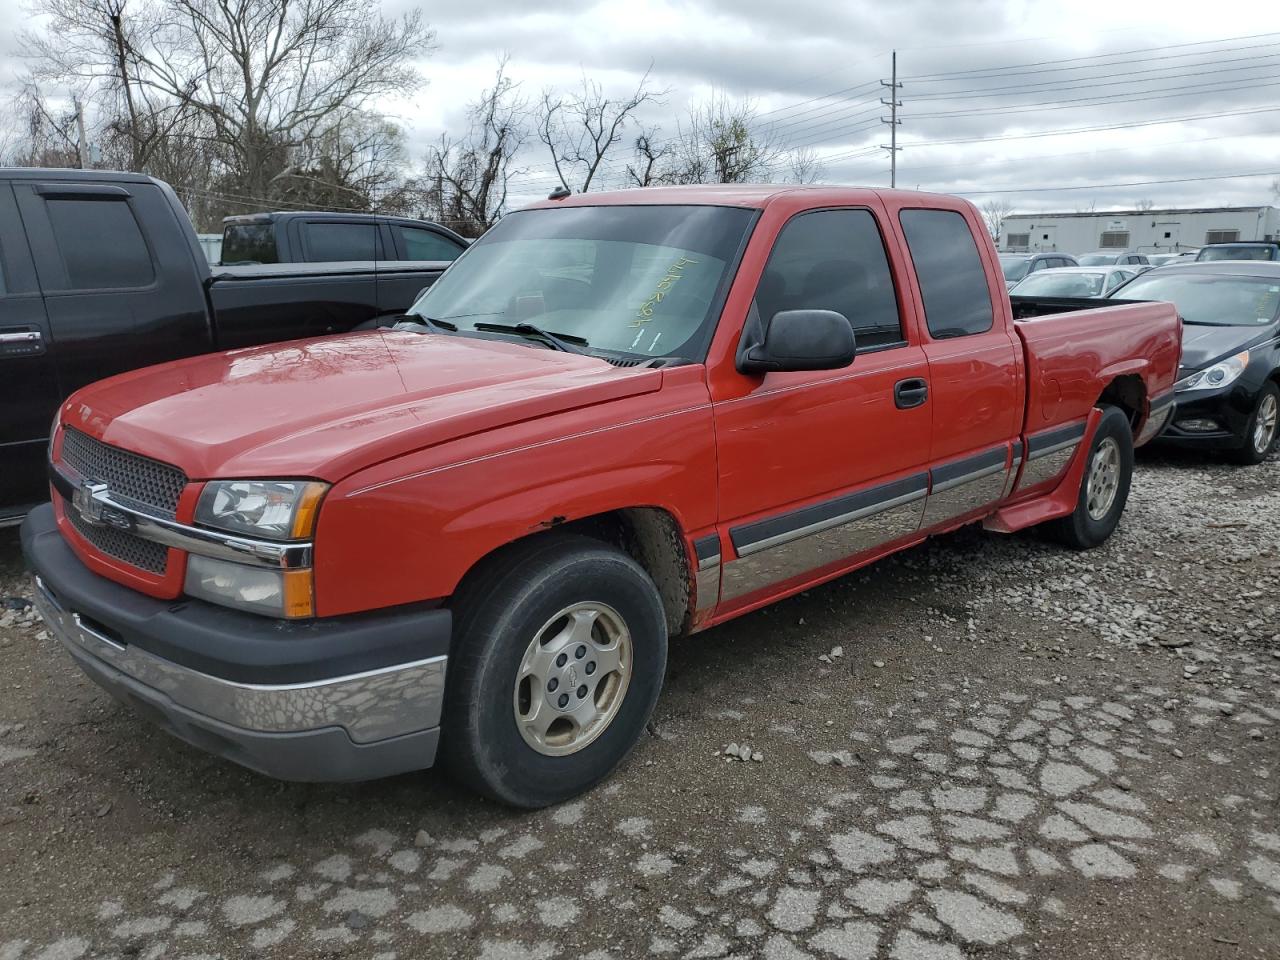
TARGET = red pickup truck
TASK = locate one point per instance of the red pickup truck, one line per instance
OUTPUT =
(616, 418)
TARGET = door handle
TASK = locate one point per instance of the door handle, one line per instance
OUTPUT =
(21, 343)
(911, 392)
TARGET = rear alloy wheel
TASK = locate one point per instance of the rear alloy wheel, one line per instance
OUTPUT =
(1104, 488)
(1260, 433)
(559, 652)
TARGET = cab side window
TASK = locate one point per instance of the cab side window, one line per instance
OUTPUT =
(949, 270)
(100, 244)
(834, 260)
(337, 242)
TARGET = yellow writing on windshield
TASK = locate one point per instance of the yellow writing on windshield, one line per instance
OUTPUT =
(674, 273)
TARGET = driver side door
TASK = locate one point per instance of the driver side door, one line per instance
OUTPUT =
(819, 468)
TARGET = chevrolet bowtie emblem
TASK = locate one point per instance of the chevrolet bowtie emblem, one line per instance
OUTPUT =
(90, 502)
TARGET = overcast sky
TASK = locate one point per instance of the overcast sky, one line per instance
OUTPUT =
(809, 67)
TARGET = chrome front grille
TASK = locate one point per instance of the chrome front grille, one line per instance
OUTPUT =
(145, 484)
(144, 554)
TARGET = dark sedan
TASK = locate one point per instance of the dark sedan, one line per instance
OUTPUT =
(1228, 391)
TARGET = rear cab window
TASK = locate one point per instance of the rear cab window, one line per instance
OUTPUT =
(422, 244)
(949, 270)
(249, 243)
(834, 260)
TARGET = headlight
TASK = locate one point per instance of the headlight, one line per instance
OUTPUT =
(271, 509)
(271, 592)
(1219, 375)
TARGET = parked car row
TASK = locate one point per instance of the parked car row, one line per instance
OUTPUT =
(1228, 391)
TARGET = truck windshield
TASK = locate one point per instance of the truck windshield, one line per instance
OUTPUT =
(1259, 252)
(1015, 268)
(1213, 301)
(628, 279)
(249, 243)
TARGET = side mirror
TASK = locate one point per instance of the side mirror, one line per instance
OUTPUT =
(796, 340)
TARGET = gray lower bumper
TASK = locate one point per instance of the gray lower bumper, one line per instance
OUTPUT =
(357, 727)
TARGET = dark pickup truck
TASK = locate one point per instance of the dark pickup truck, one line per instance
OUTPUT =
(101, 273)
(313, 237)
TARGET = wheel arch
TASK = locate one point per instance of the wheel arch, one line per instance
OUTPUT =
(1128, 392)
(650, 535)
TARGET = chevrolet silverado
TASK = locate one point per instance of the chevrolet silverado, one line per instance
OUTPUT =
(616, 419)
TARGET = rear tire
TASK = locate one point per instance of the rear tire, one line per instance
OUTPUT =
(558, 658)
(1104, 488)
(1260, 434)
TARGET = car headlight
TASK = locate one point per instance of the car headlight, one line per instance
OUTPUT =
(270, 509)
(1220, 374)
(269, 591)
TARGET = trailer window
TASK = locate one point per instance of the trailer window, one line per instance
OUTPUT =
(949, 270)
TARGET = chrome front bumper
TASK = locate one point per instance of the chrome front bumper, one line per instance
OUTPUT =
(369, 706)
(331, 699)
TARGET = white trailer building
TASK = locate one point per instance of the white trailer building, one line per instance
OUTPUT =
(1148, 231)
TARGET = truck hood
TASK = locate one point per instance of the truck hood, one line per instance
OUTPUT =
(327, 407)
(1203, 345)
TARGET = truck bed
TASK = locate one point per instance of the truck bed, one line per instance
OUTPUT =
(1075, 347)
(1026, 308)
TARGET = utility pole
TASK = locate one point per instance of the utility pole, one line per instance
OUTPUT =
(82, 144)
(893, 103)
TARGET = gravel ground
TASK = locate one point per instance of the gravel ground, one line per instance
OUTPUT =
(1014, 751)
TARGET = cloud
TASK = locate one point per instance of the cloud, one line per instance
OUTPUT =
(812, 67)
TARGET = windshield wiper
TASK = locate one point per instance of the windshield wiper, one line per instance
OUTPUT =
(418, 320)
(564, 342)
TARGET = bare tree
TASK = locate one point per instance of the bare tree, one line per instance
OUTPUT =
(269, 81)
(720, 143)
(580, 128)
(38, 134)
(466, 179)
(803, 166)
(1144, 204)
(648, 168)
(994, 214)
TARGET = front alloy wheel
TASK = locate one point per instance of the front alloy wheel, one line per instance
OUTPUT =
(1260, 432)
(573, 678)
(1264, 426)
(560, 646)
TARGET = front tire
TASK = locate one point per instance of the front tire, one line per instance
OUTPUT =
(1104, 488)
(558, 659)
(1260, 434)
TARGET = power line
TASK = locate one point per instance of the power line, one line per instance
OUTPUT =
(1005, 70)
(1131, 183)
(1098, 129)
(1022, 161)
(1095, 101)
(1109, 80)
